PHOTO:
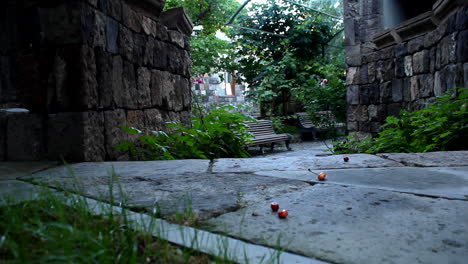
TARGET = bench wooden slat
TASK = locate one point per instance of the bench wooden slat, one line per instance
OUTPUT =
(264, 133)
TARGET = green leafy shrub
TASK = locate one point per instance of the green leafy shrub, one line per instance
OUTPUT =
(441, 126)
(220, 133)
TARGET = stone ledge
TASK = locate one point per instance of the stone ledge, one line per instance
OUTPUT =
(416, 26)
(177, 19)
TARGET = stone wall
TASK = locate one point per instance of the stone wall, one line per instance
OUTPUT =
(404, 67)
(84, 68)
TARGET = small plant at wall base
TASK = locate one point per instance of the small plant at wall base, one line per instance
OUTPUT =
(441, 126)
(220, 133)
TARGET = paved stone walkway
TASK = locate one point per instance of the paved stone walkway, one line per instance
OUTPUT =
(387, 208)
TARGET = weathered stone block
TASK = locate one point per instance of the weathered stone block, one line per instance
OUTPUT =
(131, 18)
(352, 95)
(371, 72)
(154, 119)
(352, 77)
(24, 136)
(421, 62)
(139, 48)
(158, 83)
(363, 74)
(453, 75)
(407, 90)
(385, 70)
(350, 32)
(385, 92)
(409, 65)
(93, 136)
(104, 78)
(401, 49)
(397, 90)
(386, 53)
(94, 27)
(353, 55)
(126, 43)
(426, 85)
(161, 32)
(393, 109)
(113, 120)
(148, 58)
(462, 48)
(364, 126)
(465, 74)
(377, 112)
(439, 84)
(144, 92)
(149, 26)
(462, 19)
(375, 127)
(352, 126)
(416, 44)
(112, 34)
(400, 67)
(414, 88)
(160, 55)
(119, 94)
(184, 90)
(177, 38)
(129, 86)
(136, 118)
(358, 113)
(115, 9)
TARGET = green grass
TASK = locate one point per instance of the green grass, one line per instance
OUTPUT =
(50, 230)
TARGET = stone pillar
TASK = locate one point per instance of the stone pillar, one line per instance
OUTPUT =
(86, 67)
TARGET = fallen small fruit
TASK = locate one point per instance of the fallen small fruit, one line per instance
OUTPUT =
(346, 159)
(283, 214)
(321, 176)
(274, 207)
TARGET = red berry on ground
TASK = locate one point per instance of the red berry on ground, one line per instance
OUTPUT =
(274, 207)
(322, 176)
(346, 159)
(283, 214)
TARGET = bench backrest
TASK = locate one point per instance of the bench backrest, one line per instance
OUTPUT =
(263, 127)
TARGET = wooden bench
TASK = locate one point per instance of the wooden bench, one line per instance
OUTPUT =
(264, 134)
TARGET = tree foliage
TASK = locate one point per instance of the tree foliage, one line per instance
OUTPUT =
(208, 51)
(291, 62)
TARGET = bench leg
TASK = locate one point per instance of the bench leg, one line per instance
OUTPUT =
(287, 145)
(261, 149)
(314, 134)
(272, 147)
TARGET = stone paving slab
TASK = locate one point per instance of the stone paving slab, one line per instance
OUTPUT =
(13, 191)
(208, 194)
(130, 168)
(430, 159)
(449, 182)
(357, 225)
(302, 163)
(13, 170)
